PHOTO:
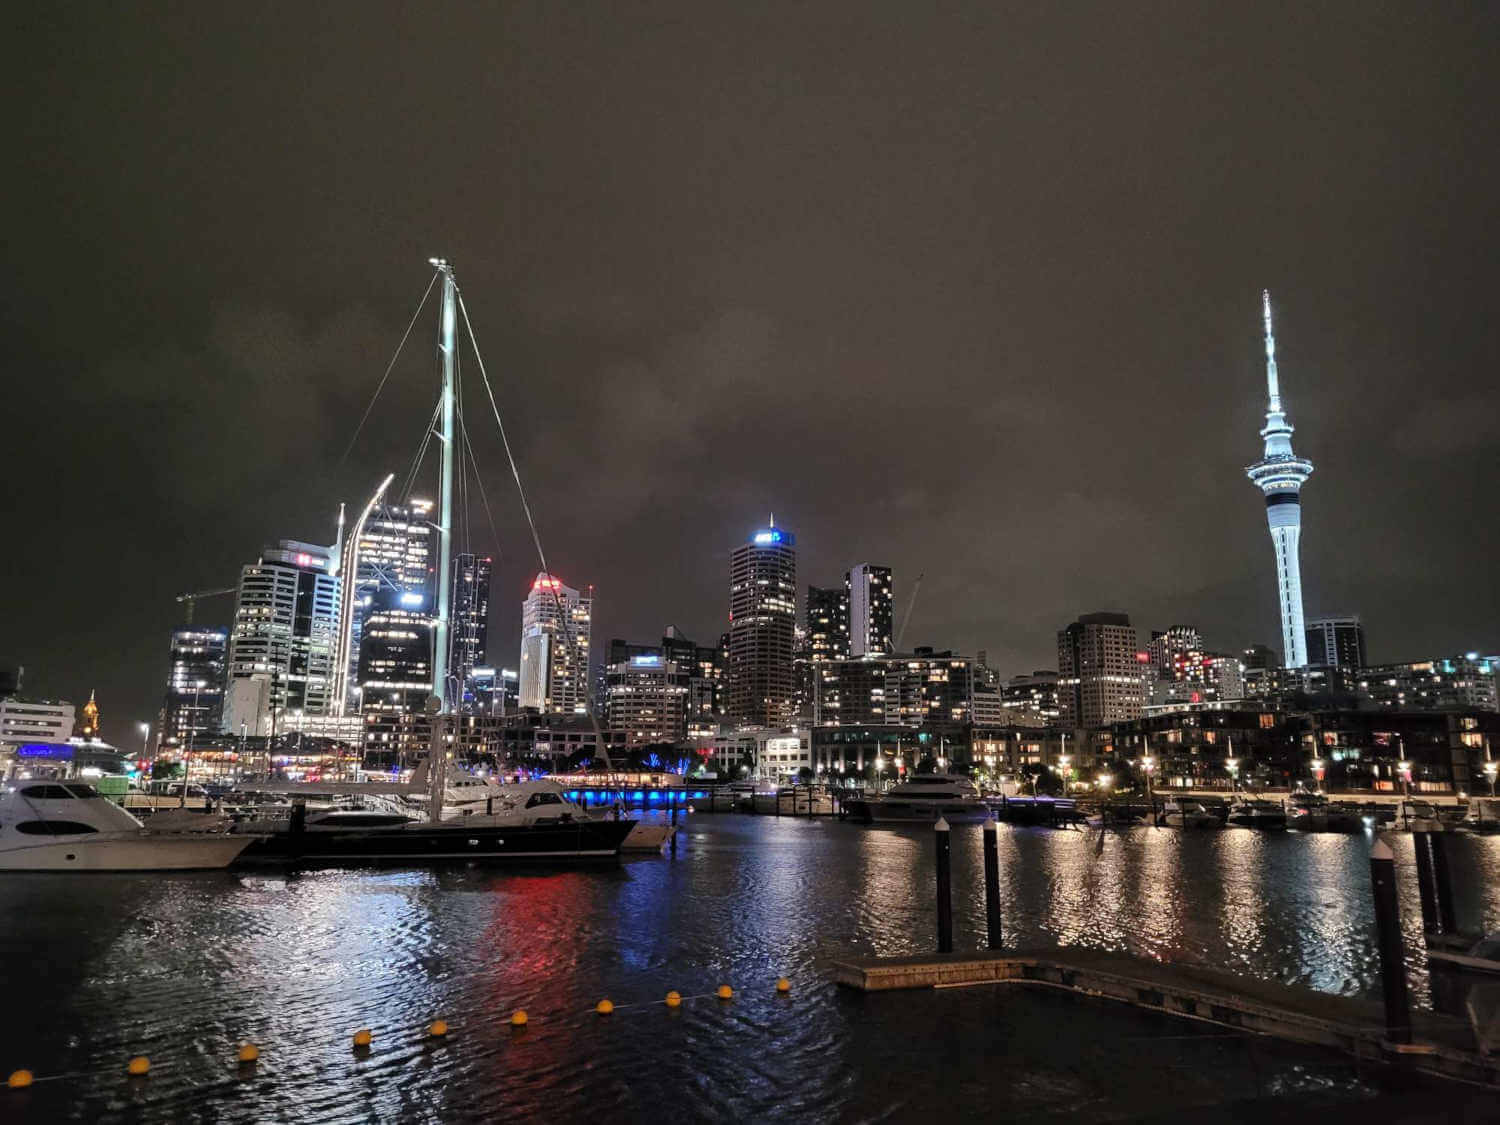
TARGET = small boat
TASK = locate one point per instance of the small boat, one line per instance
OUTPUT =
(921, 799)
(1247, 812)
(1048, 811)
(69, 826)
(1183, 813)
(1312, 812)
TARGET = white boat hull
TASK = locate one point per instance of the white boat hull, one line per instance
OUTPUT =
(136, 852)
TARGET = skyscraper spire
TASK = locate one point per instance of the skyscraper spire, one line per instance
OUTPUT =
(1279, 475)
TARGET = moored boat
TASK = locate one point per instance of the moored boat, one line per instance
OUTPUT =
(921, 799)
(68, 826)
(1184, 813)
(1247, 812)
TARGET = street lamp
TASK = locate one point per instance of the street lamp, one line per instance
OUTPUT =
(1405, 767)
(1233, 766)
(1490, 768)
(145, 740)
(1317, 768)
(1149, 765)
(1104, 782)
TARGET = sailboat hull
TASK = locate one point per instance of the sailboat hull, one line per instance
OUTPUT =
(578, 841)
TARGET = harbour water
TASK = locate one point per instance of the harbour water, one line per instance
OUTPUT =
(184, 968)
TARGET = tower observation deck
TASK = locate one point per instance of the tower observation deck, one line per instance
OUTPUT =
(1279, 475)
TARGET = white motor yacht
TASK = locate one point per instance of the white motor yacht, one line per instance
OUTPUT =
(68, 826)
(922, 798)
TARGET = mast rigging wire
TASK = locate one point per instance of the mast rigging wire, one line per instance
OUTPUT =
(388, 369)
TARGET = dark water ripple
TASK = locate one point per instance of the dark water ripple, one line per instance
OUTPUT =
(183, 968)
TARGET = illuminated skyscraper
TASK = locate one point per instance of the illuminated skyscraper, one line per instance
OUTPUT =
(871, 612)
(281, 645)
(556, 630)
(763, 628)
(827, 624)
(471, 621)
(195, 684)
(395, 552)
(1280, 475)
(1100, 675)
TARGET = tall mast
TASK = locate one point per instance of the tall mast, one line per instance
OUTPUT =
(448, 352)
(1273, 385)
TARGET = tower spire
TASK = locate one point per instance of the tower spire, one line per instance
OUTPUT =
(1273, 385)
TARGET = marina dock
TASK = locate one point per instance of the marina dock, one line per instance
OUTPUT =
(1442, 1046)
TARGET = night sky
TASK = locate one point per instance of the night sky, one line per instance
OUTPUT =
(974, 292)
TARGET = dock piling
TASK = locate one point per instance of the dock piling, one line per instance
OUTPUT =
(944, 886)
(1444, 880)
(992, 882)
(674, 828)
(1388, 925)
(1425, 882)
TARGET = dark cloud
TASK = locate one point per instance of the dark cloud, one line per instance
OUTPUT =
(971, 292)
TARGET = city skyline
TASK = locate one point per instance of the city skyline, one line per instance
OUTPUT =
(1036, 381)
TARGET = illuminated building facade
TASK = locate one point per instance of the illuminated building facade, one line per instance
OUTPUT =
(1279, 475)
(1101, 675)
(827, 628)
(647, 698)
(763, 628)
(923, 688)
(1338, 641)
(1033, 697)
(471, 622)
(556, 633)
(1453, 683)
(281, 644)
(195, 684)
(869, 594)
(395, 674)
(396, 551)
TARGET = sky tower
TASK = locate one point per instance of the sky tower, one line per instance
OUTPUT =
(1279, 475)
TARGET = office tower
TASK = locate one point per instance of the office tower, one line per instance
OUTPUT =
(646, 697)
(871, 612)
(281, 644)
(497, 691)
(1336, 640)
(763, 627)
(827, 626)
(471, 621)
(396, 550)
(394, 675)
(1279, 475)
(556, 631)
(195, 685)
(1099, 670)
(698, 668)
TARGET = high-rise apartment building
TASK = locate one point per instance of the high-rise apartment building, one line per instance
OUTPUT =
(1101, 675)
(763, 627)
(194, 703)
(1455, 683)
(1171, 650)
(1338, 641)
(827, 623)
(1034, 696)
(471, 621)
(281, 644)
(647, 698)
(870, 596)
(556, 632)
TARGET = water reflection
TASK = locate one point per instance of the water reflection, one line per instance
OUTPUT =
(182, 968)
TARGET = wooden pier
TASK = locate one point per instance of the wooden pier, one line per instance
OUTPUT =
(1442, 1046)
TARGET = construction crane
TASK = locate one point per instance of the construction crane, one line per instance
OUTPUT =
(911, 605)
(192, 599)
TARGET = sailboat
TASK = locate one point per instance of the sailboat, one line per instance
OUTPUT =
(539, 825)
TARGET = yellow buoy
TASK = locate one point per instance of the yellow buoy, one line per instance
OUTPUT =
(138, 1065)
(725, 992)
(518, 1018)
(674, 999)
(437, 1028)
(248, 1053)
(362, 1037)
(604, 1007)
(783, 985)
(19, 1079)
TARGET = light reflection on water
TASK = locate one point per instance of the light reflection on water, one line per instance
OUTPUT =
(182, 968)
